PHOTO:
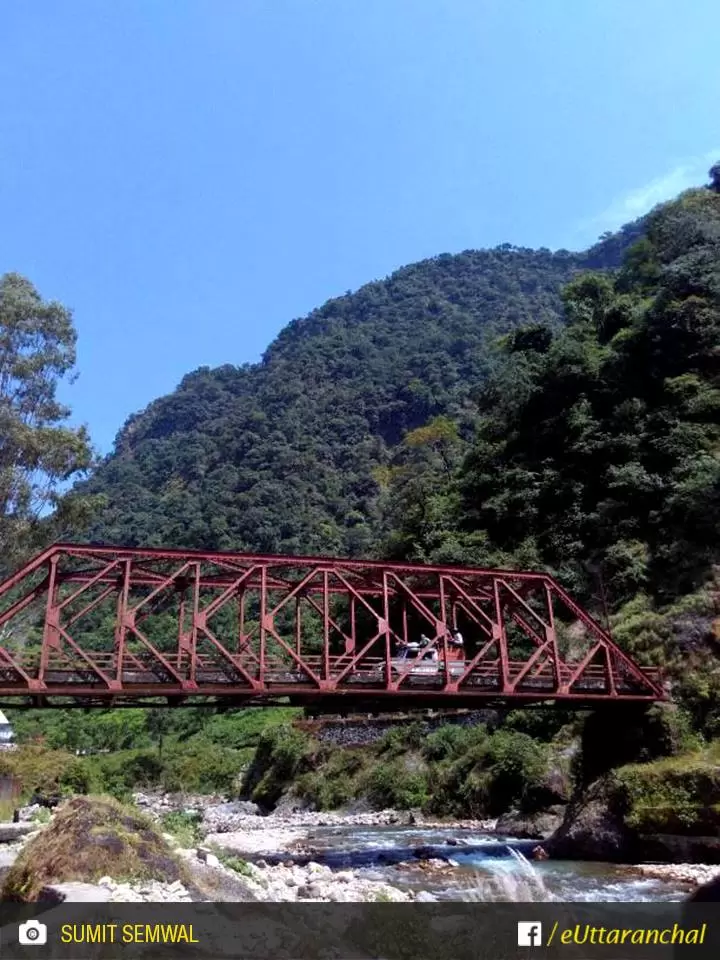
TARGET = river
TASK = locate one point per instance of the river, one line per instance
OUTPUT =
(482, 866)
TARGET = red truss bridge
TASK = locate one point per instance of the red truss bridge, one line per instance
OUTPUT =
(93, 625)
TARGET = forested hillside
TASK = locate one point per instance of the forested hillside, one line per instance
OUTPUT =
(597, 445)
(282, 456)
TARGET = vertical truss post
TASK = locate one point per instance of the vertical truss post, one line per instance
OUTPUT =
(51, 632)
(610, 672)
(351, 642)
(443, 621)
(121, 620)
(182, 620)
(298, 626)
(501, 636)
(263, 622)
(191, 640)
(241, 620)
(385, 628)
(326, 626)
(404, 620)
(551, 635)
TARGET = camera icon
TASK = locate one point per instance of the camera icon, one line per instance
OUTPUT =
(32, 933)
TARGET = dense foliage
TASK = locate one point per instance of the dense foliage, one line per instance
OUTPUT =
(283, 456)
(599, 445)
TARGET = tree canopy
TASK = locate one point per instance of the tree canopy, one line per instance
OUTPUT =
(40, 453)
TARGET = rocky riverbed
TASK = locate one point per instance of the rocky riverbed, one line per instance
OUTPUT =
(236, 830)
(240, 855)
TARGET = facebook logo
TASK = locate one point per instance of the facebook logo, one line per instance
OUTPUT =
(530, 934)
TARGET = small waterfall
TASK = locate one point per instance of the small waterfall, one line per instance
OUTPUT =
(511, 879)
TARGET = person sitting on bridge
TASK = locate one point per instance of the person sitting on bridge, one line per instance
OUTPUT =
(457, 639)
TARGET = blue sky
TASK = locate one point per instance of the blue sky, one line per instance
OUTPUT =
(190, 175)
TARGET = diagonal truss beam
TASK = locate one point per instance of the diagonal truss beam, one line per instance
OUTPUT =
(232, 625)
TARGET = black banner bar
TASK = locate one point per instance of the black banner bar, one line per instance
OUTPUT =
(344, 931)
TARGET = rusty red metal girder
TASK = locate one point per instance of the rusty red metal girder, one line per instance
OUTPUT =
(106, 625)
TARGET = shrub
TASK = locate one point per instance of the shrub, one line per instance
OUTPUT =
(243, 728)
(399, 739)
(122, 772)
(200, 767)
(234, 863)
(47, 776)
(282, 755)
(517, 766)
(451, 741)
(337, 779)
(540, 724)
(489, 775)
(675, 795)
(390, 785)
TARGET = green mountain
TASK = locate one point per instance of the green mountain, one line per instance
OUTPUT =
(282, 456)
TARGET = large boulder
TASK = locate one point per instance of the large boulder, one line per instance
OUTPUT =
(707, 893)
(539, 825)
(665, 810)
(593, 828)
(675, 848)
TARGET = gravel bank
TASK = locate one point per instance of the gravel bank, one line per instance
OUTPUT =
(690, 875)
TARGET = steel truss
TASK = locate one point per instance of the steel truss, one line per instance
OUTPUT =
(106, 625)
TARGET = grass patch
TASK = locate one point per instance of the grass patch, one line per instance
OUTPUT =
(184, 826)
(234, 863)
(88, 838)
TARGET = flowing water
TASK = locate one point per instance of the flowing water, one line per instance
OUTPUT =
(483, 866)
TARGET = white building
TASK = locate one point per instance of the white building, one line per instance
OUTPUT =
(7, 736)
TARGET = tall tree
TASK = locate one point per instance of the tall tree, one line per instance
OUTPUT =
(39, 452)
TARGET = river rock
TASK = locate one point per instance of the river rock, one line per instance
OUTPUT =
(13, 831)
(310, 891)
(533, 826)
(77, 892)
(226, 817)
(208, 857)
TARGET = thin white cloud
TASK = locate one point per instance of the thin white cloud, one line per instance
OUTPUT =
(692, 172)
